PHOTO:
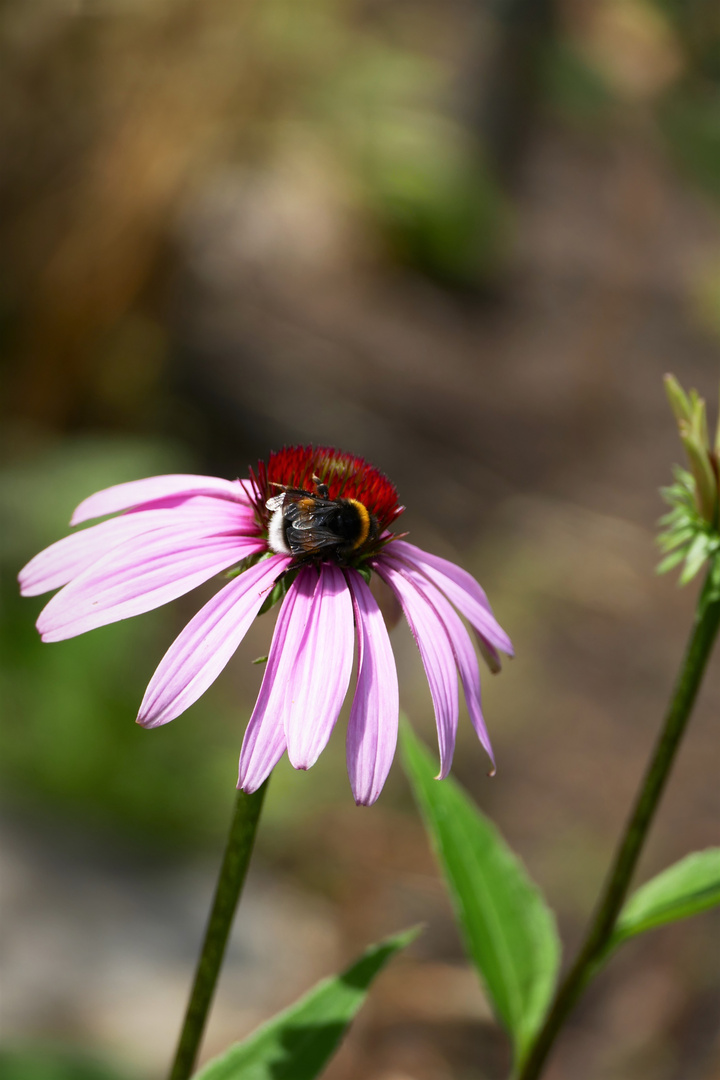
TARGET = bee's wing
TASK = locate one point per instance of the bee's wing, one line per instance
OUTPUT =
(275, 502)
(305, 516)
(311, 540)
(305, 522)
(308, 530)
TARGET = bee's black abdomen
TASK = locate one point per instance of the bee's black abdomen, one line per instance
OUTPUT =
(348, 523)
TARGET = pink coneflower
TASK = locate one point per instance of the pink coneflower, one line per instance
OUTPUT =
(311, 527)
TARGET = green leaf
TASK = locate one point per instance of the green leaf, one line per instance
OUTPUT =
(509, 931)
(673, 538)
(687, 888)
(670, 561)
(695, 559)
(676, 516)
(52, 1063)
(365, 572)
(278, 591)
(298, 1043)
(713, 584)
(684, 478)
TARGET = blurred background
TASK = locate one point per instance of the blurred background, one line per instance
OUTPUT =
(463, 238)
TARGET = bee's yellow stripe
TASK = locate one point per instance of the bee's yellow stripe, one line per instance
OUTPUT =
(364, 523)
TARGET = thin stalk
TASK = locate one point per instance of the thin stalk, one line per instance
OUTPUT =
(229, 886)
(702, 639)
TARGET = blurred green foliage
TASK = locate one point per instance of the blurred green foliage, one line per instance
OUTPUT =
(572, 89)
(689, 114)
(37, 1063)
(690, 120)
(382, 110)
(421, 174)
(438, 203)
(697, 24)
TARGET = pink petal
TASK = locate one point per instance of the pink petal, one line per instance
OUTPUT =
(122, 496)
(67, 558)
(196, 658)
(242, 512)
(321, 672)
(72, 555)
(264, 742)
(460, 588)
(437, 656)
(465, 657)
(180, 502)
(373, 727)
(139, 575)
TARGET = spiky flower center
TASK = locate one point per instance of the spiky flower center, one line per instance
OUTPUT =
(332, 476)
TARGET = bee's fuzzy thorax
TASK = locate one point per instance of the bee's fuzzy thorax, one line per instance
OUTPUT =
(276, 533)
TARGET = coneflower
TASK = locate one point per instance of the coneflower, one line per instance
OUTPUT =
(308, 530)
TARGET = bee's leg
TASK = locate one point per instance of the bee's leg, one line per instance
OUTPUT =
(320, 488)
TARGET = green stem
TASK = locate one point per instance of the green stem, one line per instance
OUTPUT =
(702, 638)
(227, 893)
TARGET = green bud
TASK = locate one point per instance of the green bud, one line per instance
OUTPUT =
(690, 531)
(706, 484)
(691, 416)
(678, 399)
(699, 419)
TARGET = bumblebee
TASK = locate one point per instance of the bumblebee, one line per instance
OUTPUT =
(305, 523)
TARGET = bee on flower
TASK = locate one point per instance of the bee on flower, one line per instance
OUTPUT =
(309, 529)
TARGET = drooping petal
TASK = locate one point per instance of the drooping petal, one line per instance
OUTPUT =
(139, 575)
(264, 742)
(123, 496)
(72, 555)
(437, 656)
(320, 676)
(460, 588)
(464, 653)
(373, 727)
(198, 655)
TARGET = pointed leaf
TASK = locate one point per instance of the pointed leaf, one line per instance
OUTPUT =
(298, 1043)
(684, 478)
(676, 521)
(509, 931)
(673, 537)
(670, 561)
(687, 888)
(694, 560)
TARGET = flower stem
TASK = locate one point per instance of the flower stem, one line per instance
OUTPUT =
(702, 638)
(227, 893)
